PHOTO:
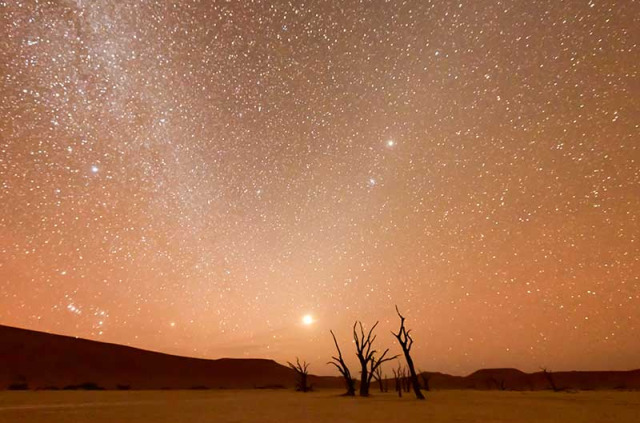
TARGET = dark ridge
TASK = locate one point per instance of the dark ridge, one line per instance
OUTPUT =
(516, 380)
(38, 360)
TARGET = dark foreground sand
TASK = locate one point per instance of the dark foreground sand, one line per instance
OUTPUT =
(322, 406)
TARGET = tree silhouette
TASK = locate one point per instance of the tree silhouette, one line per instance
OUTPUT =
(404, 338)
(367, 355)
(377, 375)
(343, 369)
(426, 377)
(500, 384)
(398, 374)
(549, 376)
(302, 374)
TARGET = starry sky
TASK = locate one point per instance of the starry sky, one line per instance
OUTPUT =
(194, 177)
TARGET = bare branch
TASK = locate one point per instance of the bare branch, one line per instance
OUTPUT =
(406, 342)
(366, 354)
(342, 366)
(302, 374)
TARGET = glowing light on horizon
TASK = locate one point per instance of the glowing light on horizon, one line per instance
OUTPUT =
(303, 160)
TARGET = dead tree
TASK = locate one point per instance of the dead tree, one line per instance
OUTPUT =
(404, 338)
(367, 356)
(425, 380)
(375, 364)
(397, 375)
(377, 375)
(343, 369)
(302, 375)
(549, 376)
(500, 384)
(404, 379)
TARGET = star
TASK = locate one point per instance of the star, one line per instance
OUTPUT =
(235, 166)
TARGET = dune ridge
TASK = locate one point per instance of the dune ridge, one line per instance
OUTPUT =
(38, 360)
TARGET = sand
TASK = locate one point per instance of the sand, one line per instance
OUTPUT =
(323, 406)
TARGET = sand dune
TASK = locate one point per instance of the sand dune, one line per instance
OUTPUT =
(516, 380)
(44, 361)
(37, 360)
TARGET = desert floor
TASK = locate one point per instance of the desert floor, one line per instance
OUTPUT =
(321, 406)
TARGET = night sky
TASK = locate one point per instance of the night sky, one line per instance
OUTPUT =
(195, 177)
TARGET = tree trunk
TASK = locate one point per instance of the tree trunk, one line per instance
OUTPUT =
(364, 381)
(414, 377)
(406, 341)
(351, 389)
(350, 383)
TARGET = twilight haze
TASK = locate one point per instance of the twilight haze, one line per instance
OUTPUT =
(234, 179)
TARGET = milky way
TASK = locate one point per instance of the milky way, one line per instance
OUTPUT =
(195, 177)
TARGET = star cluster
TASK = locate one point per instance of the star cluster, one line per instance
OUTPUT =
(194, 177)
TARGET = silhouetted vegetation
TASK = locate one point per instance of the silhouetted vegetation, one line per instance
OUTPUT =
(377, 376)
(398, 375)
(87, 386)
(549, 376)
(19, 384)
(274, 386)
(338, 361)
(426, 377)
(404, 338)
(500, 384)
(367, 355)
(302, 374)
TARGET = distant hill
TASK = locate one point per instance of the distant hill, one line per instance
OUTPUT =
(515, 380)
(38, 360)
